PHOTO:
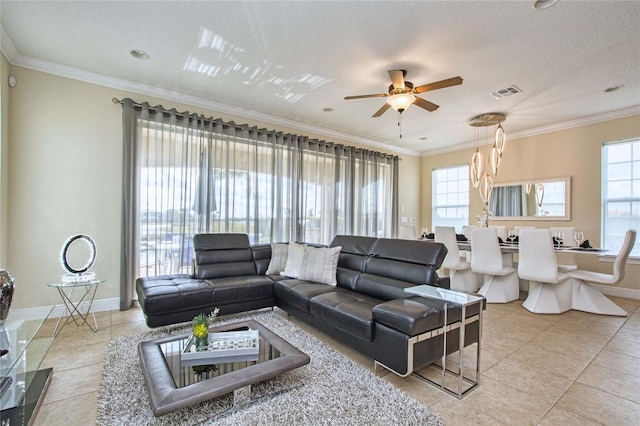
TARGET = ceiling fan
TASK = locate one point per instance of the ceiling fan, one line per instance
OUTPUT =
(402, 94)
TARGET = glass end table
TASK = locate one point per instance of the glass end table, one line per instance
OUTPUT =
(77, 297)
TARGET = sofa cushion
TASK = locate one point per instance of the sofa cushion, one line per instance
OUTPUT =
(415, 315)
(167, 293)
(319, 265)
(346, 310)
(241, 288)
(294, 260)
(278, 260)
(298, 292)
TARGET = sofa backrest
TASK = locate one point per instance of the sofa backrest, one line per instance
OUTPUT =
(223, 255)
(396, 264)
(353, 257)
(261, 257)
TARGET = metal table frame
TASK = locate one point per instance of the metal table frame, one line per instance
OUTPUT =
(463, 300)
(73, 308)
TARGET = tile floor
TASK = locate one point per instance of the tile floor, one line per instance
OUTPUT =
(570, 369)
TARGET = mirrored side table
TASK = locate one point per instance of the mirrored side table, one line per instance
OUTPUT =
(24, 343)
(78, 299)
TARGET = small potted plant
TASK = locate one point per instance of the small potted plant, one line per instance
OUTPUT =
(200, 328)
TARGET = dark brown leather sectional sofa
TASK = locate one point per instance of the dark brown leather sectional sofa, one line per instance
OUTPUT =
(368, 310)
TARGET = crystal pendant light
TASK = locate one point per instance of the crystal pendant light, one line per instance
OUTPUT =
(499, 139)
(486, 186)
(527, 188)
(494, 160)
(477, 168)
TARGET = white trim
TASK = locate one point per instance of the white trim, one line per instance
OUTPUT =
(7, 46)
(40, 312)
(607, 290)
(583, 121)
(16, 59)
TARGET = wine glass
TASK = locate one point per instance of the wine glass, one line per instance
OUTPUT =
(512, 235)
(559, 238)
(579, 237)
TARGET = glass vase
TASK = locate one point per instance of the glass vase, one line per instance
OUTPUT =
(202, 343)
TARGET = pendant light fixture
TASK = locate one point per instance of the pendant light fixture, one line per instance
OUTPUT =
(479, 179)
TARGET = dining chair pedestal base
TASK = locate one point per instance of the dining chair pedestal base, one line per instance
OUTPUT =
(501, 288)
(547, 298)
(463, 279)
(589, 299)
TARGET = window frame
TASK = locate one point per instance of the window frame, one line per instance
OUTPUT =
(634, 180)
(462, 176)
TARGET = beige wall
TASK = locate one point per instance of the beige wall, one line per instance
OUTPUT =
(572, 152)
(65, 146)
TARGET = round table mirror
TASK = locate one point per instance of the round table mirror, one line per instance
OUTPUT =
(78, 254)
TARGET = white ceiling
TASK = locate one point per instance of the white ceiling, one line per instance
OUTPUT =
(284, 62)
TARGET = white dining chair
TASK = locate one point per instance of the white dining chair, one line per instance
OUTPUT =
(588, 298)
(408, 231)
(566, 261)
(500, 283)
(517, 229)
(549, 290)
(501, 230)
(460, 273)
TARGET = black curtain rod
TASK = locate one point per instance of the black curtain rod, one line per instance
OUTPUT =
(184, 115)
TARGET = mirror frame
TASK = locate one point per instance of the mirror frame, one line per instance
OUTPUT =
(567, 199)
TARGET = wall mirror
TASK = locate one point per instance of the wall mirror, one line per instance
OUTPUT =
(540, 199)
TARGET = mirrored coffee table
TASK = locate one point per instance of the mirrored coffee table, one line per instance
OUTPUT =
(173, 385)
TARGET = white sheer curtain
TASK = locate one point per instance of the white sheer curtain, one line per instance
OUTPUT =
(186, 174)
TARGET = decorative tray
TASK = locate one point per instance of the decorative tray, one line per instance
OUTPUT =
(228, 346)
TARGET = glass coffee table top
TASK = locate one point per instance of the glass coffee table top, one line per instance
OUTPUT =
(173, 385)
(188, 373)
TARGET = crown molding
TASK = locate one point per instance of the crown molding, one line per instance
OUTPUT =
(583, 121)
(115, 83)
(7, 46)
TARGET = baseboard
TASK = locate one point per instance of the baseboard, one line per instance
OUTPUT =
(629, 293)
(41, 312)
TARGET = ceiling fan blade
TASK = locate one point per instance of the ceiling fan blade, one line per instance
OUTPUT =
(382, 110)
(379, 95)
(429, 106)
(397, 78)
(453, 81)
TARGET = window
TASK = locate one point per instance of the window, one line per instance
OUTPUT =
(620, 193)
(189, 174)
(450, 197)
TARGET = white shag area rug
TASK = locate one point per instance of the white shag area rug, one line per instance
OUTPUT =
(330, 390)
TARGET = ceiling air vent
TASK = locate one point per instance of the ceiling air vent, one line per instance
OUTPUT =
(504, 92)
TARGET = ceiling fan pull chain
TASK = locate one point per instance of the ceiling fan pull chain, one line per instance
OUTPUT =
(400, 122)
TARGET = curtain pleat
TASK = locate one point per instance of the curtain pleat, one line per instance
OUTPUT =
(186, 174)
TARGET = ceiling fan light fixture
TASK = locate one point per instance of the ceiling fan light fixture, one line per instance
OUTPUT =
(401, 101)
(543, 4)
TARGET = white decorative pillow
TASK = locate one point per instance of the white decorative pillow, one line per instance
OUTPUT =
(294, 260)
(278, 260)
(320, 264)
